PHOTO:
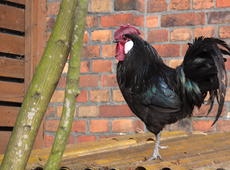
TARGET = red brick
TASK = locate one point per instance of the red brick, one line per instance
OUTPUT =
(108, 50)
(100, 6)
(202, 125)
(97, 126)
(228, 75)
(203, 111)
(65, 70)
(184, 48)
(139, 125)
(124, 5)
(157, 35)
(204, 31)
(219, 17)
(84, 66)
(175, 62)
(88, 111)
(51, 125)
(86, 138)
(91, 51)
(168, 50)
(82, 97)
(203, 4)
(227, 64)
(86, 37)
(89, 80)
(50, 23)
(156, 5)
(58, 96)
(51, 111)
(140, 5)
(152, 21)
(53, 8)
(222, 3)
(120, 19)
(79, 126)
(92, 21)
(223, 126)
(62, 82)
(71, 139)
(102, 35)
(179, 4)
(224, 32)
(181, 125)
(138, 20)
(48, 140)
(227, 97)
(99, 95)
(124, 125)
(115, 111)
(184, 19)
(109, 80)
(102, 66)
(181, 34)
(117, 96)
(59, 111)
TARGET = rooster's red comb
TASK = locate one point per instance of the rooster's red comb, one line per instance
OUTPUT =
(125, 29)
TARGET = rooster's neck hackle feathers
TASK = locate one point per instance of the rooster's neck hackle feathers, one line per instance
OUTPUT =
(142, 65)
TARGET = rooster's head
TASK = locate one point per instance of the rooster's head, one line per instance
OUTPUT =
(124, 44)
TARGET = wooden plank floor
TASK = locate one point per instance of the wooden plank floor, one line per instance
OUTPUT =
(185, 151)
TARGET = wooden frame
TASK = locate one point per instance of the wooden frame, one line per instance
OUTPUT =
(35, 39)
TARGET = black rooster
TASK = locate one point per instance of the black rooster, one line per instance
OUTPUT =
(160, 95)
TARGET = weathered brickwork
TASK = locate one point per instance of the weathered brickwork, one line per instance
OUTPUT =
(168, 25)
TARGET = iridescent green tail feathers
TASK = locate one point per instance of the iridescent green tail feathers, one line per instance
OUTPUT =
(203, 72)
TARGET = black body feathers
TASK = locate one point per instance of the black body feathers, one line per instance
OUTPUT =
(161, 95)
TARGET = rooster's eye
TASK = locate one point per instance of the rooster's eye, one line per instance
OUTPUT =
(124, 37)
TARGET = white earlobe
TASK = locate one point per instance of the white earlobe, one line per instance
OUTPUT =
(128, 46)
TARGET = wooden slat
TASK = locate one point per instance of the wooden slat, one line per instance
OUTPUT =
(8, 115)
(17, 1)
(12, 18)
(12, 92)
(12, 67)
(4, 140)
(12, 44)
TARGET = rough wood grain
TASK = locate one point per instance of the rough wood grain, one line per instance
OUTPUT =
(11, 91)
(12, 18)
(18, 1)
(12, 44)
(4, 140)
(8, 115)
(185, 151)
(12, 67)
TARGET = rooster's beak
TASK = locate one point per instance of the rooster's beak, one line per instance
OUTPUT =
(115, 41)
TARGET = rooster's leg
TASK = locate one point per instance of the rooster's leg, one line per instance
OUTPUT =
(156, 154)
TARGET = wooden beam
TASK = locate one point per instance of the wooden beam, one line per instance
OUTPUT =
(5, 135)
(17, 1)
(12, 18)
(35, 40)
(35, 37)
(12, 68)
(8, 115)
(17, 44)
(11, 91)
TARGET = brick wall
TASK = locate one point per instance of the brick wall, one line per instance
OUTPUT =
(168, 25)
